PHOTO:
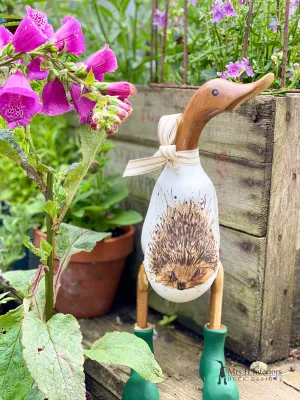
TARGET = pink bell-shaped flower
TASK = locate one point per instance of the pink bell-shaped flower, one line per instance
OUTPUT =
(5, 36)
(35, 72)
(32, 32)
(102, 61)
(70, 35)
(121, 89)
(55, 99)
(18, 102)
(82, 104)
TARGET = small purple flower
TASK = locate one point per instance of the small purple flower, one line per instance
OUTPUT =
(159, 19)
(228, 9)
(82, 104)
(243, 2)
(248, 69)
(35, 72)
(101, 62)
(121, 89)
(233, 69)
(290, 73)
(273, 25)
(70, 35)
(194, 2)
(222, 75)
(32, 32)
(54, 97)
(5, 36)
(18, 102)
(217, 12)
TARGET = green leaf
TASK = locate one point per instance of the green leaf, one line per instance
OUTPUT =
(122, 218)
(71, 240)
(43, 251)
(20, 280)
(54, 355)
(91, 96)
(50, 208)
(35, 394)
(15, 379)
(166, 320)
(90, 78)
(4, 299)
(124, 348)
(116, 193)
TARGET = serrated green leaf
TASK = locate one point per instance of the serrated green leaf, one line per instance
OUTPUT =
(116, 194)
(9, 147)
(123, 218)
(50, 208)
(43, 251)
(20, 280)
(71, 240)
(35, 394)
(15, 379)
(124, 348)
(54, 355)
(91, 96)
(90, 78)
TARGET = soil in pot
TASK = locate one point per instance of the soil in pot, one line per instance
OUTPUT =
(89, 284)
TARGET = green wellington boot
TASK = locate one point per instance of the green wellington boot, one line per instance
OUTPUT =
(137, 388)
(218, 385)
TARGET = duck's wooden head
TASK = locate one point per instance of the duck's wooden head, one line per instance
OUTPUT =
(211, 99)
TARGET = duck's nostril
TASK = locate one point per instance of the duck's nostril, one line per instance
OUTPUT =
(181, 286)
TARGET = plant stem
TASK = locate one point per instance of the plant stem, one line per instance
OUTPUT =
(50, 240)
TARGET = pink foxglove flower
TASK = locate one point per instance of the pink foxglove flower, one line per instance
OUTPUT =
(82, 104)
(217, 12)
(18, 102)
(101, 62)
(233, 69)
(32, 32)
(55, 99)
(5, 36)
(35, 72)
(121, 89)
(70, 35)
(228, 9)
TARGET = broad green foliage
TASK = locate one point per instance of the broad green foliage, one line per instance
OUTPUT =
(126, 349)
(72, 240)
(54, 355)
(4, 298)
(15, 379)
(50, 208)
(43, 251)
(35, 394)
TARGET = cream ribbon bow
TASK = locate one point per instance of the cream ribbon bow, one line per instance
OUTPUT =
(166, 153)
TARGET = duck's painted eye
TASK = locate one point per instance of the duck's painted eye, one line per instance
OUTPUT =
(215, 92)
(198, 271)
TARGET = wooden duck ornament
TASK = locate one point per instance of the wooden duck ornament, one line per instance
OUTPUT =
(180, 237)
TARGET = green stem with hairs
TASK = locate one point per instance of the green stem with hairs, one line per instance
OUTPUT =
(51, 240)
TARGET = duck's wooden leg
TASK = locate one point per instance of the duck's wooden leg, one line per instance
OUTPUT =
(142, 299)
(216, 299)
(136, 387)
(217, 386)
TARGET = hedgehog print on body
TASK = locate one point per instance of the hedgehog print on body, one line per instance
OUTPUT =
(183, 252)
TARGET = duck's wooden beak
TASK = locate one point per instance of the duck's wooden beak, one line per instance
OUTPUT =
(240, 93)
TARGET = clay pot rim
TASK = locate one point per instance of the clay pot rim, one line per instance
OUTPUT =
(129, 230)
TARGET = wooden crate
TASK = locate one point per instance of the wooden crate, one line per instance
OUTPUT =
(251, 156)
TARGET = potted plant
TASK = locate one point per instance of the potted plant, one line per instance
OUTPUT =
(42, 355)
(89, 285)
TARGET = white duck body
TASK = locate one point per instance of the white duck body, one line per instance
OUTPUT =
(180, 237)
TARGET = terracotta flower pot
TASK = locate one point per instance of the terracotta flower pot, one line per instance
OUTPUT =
(90, 282)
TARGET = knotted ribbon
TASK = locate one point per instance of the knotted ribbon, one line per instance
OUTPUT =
(166, 153)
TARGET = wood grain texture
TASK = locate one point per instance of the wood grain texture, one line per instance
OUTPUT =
(282, 229)
(178, 354)
(243, 258)
(295, 320)
(245, 133)
(242, 186)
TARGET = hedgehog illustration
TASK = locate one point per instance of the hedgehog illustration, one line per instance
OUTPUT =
(183, 251)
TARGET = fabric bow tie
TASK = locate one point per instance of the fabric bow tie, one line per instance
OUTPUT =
(166, 153)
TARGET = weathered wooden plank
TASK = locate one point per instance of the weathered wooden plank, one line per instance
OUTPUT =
(242, 186)
(295, 321)
(245, 133)
(243, 258)
(178, 354)
(282, 229)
